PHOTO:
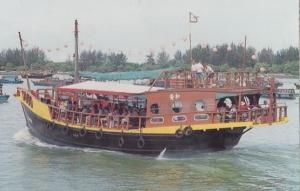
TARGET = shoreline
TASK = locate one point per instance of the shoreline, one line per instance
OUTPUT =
(276, 75)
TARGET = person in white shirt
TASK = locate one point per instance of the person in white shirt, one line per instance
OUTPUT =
(198, 69)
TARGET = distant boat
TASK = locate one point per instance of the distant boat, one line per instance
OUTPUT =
(284, 93)
(278, 84)
(52, 82)
(10, 79)
(3, 97)
(37, 74)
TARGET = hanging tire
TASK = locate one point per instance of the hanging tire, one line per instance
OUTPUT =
(121, 142)
(65, 130)
(179, 133)
(141, 142)
(188, 131)
(82, 132)
(99, 134)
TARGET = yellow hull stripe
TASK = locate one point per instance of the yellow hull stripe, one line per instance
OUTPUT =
(42, 110)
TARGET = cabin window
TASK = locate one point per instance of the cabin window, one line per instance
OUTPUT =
(177, 106)
(200, 105)
(200, 117)
(179, 118)
(154, 108)
(157, 120)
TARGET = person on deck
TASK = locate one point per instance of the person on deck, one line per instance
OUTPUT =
(198, 69)
(209, 71)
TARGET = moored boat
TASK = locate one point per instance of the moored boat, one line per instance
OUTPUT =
(37, 74)
(53, 82)
(284, 93)
(179, 112)
(10, 79)
(3, 97)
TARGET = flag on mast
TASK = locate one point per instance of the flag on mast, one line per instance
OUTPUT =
(193, 18)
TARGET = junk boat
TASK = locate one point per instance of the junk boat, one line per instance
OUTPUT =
(3, 97)
(178, 112)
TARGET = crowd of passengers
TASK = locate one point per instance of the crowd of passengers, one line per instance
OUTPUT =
(109, 113)
(228, 107)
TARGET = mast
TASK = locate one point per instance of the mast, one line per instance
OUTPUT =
(76, 72)
(24, 62)
(299, 68)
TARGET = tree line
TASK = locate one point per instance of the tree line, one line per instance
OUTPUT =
(223, 57)
(11, 58)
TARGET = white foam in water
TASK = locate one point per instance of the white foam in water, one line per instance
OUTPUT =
(161, 154)
(23, 136)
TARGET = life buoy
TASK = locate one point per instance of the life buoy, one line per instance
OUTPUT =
(179, 133)
(121, 142)
(141, 142)
(65, 130)
(82, 132)
(188, 131)
(99, 134)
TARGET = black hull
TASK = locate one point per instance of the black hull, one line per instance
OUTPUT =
(210, 140)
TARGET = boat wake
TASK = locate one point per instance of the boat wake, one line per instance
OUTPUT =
(24, 137)
(161, 155)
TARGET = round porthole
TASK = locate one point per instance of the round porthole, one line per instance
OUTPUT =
(154, 108)
(177, 106)
(200, 105)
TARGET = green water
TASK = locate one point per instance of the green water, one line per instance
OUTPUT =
(265, 159)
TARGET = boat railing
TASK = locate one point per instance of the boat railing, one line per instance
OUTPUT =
(188, 79)
(257, 116)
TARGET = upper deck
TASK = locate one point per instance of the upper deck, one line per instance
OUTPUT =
(180, 79)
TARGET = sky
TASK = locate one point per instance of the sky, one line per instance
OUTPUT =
(137, 27)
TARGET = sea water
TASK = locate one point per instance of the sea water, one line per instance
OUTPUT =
(265, 159)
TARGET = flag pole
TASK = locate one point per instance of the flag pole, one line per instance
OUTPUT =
(76, 72)
(190, 37)
(245, 54)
